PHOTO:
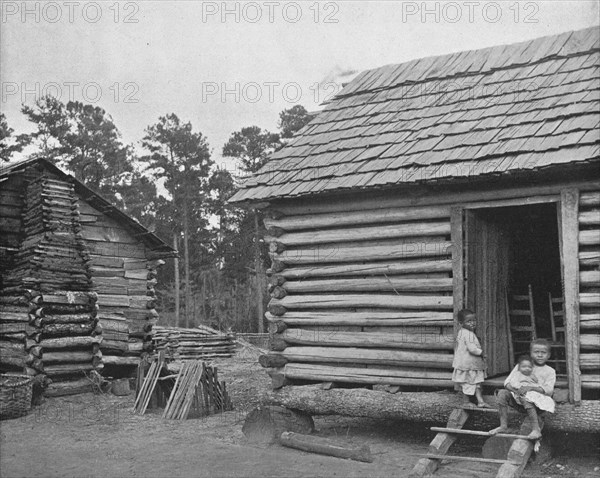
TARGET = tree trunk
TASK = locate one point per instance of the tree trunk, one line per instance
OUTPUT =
(186, 263)
(418, 406)
(259, 274)
(177, 285)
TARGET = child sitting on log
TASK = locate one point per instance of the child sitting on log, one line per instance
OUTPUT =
(468, 363)
(517, 392)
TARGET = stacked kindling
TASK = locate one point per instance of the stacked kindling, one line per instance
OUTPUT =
(363, 296)
(589, 288)
(191, 344)
(48, 292)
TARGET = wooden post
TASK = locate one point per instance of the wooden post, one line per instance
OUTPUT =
(177, 285)
(456, 237)
(569, 248)
(258, 274)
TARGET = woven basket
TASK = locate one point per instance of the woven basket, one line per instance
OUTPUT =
(15, 395)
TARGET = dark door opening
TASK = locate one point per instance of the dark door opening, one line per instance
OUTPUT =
(507, 250)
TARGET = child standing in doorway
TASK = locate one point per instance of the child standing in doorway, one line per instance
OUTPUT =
(468, 363)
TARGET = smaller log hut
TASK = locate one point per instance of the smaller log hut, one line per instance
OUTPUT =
(77, 279)
(433, 185)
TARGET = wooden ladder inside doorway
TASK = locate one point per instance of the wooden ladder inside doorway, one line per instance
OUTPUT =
(511, 467)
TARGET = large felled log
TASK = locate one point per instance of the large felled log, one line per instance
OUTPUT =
(374, 269)
(265, 424)
(381, 284)
(417, 406)
(374, 376)
(369, 339)
(376, 216)
(325, 446)
(364, 319)
(427, 302)
(372, 252)
(368, 356)
(411, 229)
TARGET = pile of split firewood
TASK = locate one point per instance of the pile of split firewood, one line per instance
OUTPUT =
(201, 342)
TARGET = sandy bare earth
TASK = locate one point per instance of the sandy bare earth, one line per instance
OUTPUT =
(98, 436)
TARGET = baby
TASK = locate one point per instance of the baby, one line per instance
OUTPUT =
(542, 381)
(524, 378)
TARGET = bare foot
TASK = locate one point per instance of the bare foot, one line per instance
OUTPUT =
(500, 429)
(534, 435)
(483, 405)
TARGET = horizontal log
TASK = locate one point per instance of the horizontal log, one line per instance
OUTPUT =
(589, 361)
(68, 369)
(381, 284)
(374, 376)
(589, 198)
(364, 319)
(74, 387)
(590, 341)
(68, 329)
(69, 297)
(120, 361)
(70, 342)
(418, 406)
(368, 356)
(589, 299)
(589, 238)
(589, 321)
(16, 327)
(370, 252)
(66, 356)
(374, 216)
(14, 316)
(67, 319)
(326, 446)
(13, 361)
(590, 381)
(589, 278)
(427, 302)
(374, 269)
(114, 346)
(589, 218)
(410, 229)
(369, 339)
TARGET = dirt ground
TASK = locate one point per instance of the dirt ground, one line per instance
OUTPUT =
(90, 436)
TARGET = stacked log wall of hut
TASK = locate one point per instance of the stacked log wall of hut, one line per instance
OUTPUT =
(589, 287)
(362, 296)
(124, 279)
(49, 312)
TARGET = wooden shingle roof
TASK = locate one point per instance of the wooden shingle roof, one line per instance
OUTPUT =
(505, 109)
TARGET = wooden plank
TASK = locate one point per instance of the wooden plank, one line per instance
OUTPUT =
(458, 279)
(569, 249)
(477, 433)
(460, 458)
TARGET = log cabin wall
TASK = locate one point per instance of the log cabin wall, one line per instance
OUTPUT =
(124, 279)
(362, 296)
(49, 314)
(589, 288)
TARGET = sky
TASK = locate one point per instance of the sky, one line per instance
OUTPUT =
(226, 65)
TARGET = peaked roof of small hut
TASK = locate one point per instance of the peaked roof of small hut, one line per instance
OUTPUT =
(149, 239)
(500, 110)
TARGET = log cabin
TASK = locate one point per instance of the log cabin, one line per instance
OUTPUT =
(459, 181)
(77, 279)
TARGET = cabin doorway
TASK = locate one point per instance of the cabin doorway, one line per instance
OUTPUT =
(507, 251)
